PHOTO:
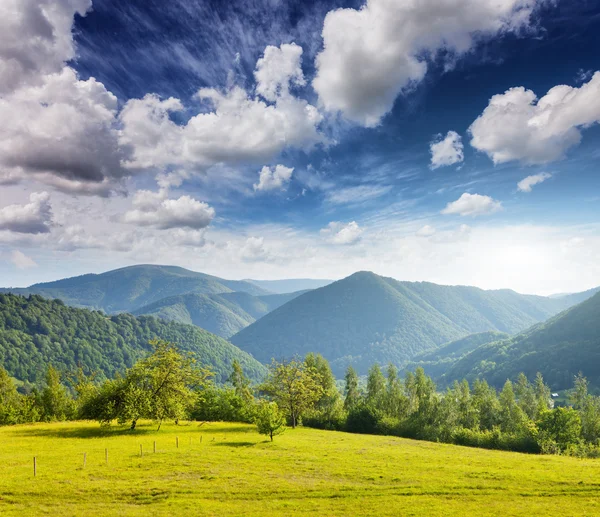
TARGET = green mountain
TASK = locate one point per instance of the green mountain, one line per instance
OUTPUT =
(366, 318)
(291, 285)
(129, 288)
(36, 332)
(222, 314)
(559, 348)
(440, 360)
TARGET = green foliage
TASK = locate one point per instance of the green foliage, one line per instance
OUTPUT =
(366, 319)
(269, 419)
(559, 429)
(352, 392)
(559, 348)
(160, 386)
(295, 387)
(55, 401)
(35, 332)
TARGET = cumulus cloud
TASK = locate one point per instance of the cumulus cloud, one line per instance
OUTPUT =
(237, 127)
(446, 151)
(274, 178)
(35, 39)
(516, 126)
(61, 132)
(372, 55)
(426, 231)
(277, 69)
(156, 210)
(342, 233)
(33, 218)
(473, 205)
(527, 184)
(22, 261)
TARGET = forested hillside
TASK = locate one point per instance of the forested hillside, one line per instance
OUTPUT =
(129, 288)
(437, 362)
(366, 318)
(222, 314)
(559, 348)
(36, 332)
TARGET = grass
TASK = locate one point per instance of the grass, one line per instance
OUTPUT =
(234, 471)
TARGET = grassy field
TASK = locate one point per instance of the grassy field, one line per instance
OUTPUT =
(228, 469)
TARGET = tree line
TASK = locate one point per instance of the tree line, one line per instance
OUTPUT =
(168, 384)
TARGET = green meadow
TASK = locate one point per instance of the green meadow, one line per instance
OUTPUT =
(229, 469)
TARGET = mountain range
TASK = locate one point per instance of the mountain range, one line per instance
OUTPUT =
(366, 318)
(220, 306)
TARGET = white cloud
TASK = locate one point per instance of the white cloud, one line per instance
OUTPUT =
(446, 151)
(526, 184)
(34, 217)
(342, 233)
(372, 55)
(156, 210)
(277, 69)
(517, 126)
(22, 261)
(473, 205)
(61, 133)
(237, 128)
(425, 231)
(274, 178)
(35, 39)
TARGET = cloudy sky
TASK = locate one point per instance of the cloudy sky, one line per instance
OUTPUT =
(453, 141)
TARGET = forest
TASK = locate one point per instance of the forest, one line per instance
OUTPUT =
(168, 384)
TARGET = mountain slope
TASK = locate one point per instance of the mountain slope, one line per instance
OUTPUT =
(440, 360)
(129, 288)
(222, 314)
(35, 332)
(366, 318)
(559, 349)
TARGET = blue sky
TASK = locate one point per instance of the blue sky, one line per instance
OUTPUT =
(454, 141)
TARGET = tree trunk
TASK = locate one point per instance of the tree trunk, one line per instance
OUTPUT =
(159, 424)
(133, 424)
(271, 435)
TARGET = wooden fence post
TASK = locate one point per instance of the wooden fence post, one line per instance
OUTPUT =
(155, 447)
(106, 455)
(84, 459)
(34, 466)
(141, 451)
(177, 441)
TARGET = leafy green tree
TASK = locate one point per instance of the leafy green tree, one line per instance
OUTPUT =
(269, 419)
(560, 426)
(396, 403)
(241, 383)
(543, 395)
(55, 400)
(352, 392)
(162, 386)
(526, 396)
(376, 388)
(10, 400)
(294, 386)
(485, 402)
(588, 407)
(327, 411)
(512, 417)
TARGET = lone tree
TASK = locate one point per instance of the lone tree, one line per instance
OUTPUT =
(294, 386)
(163, 385)
(269, 419)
